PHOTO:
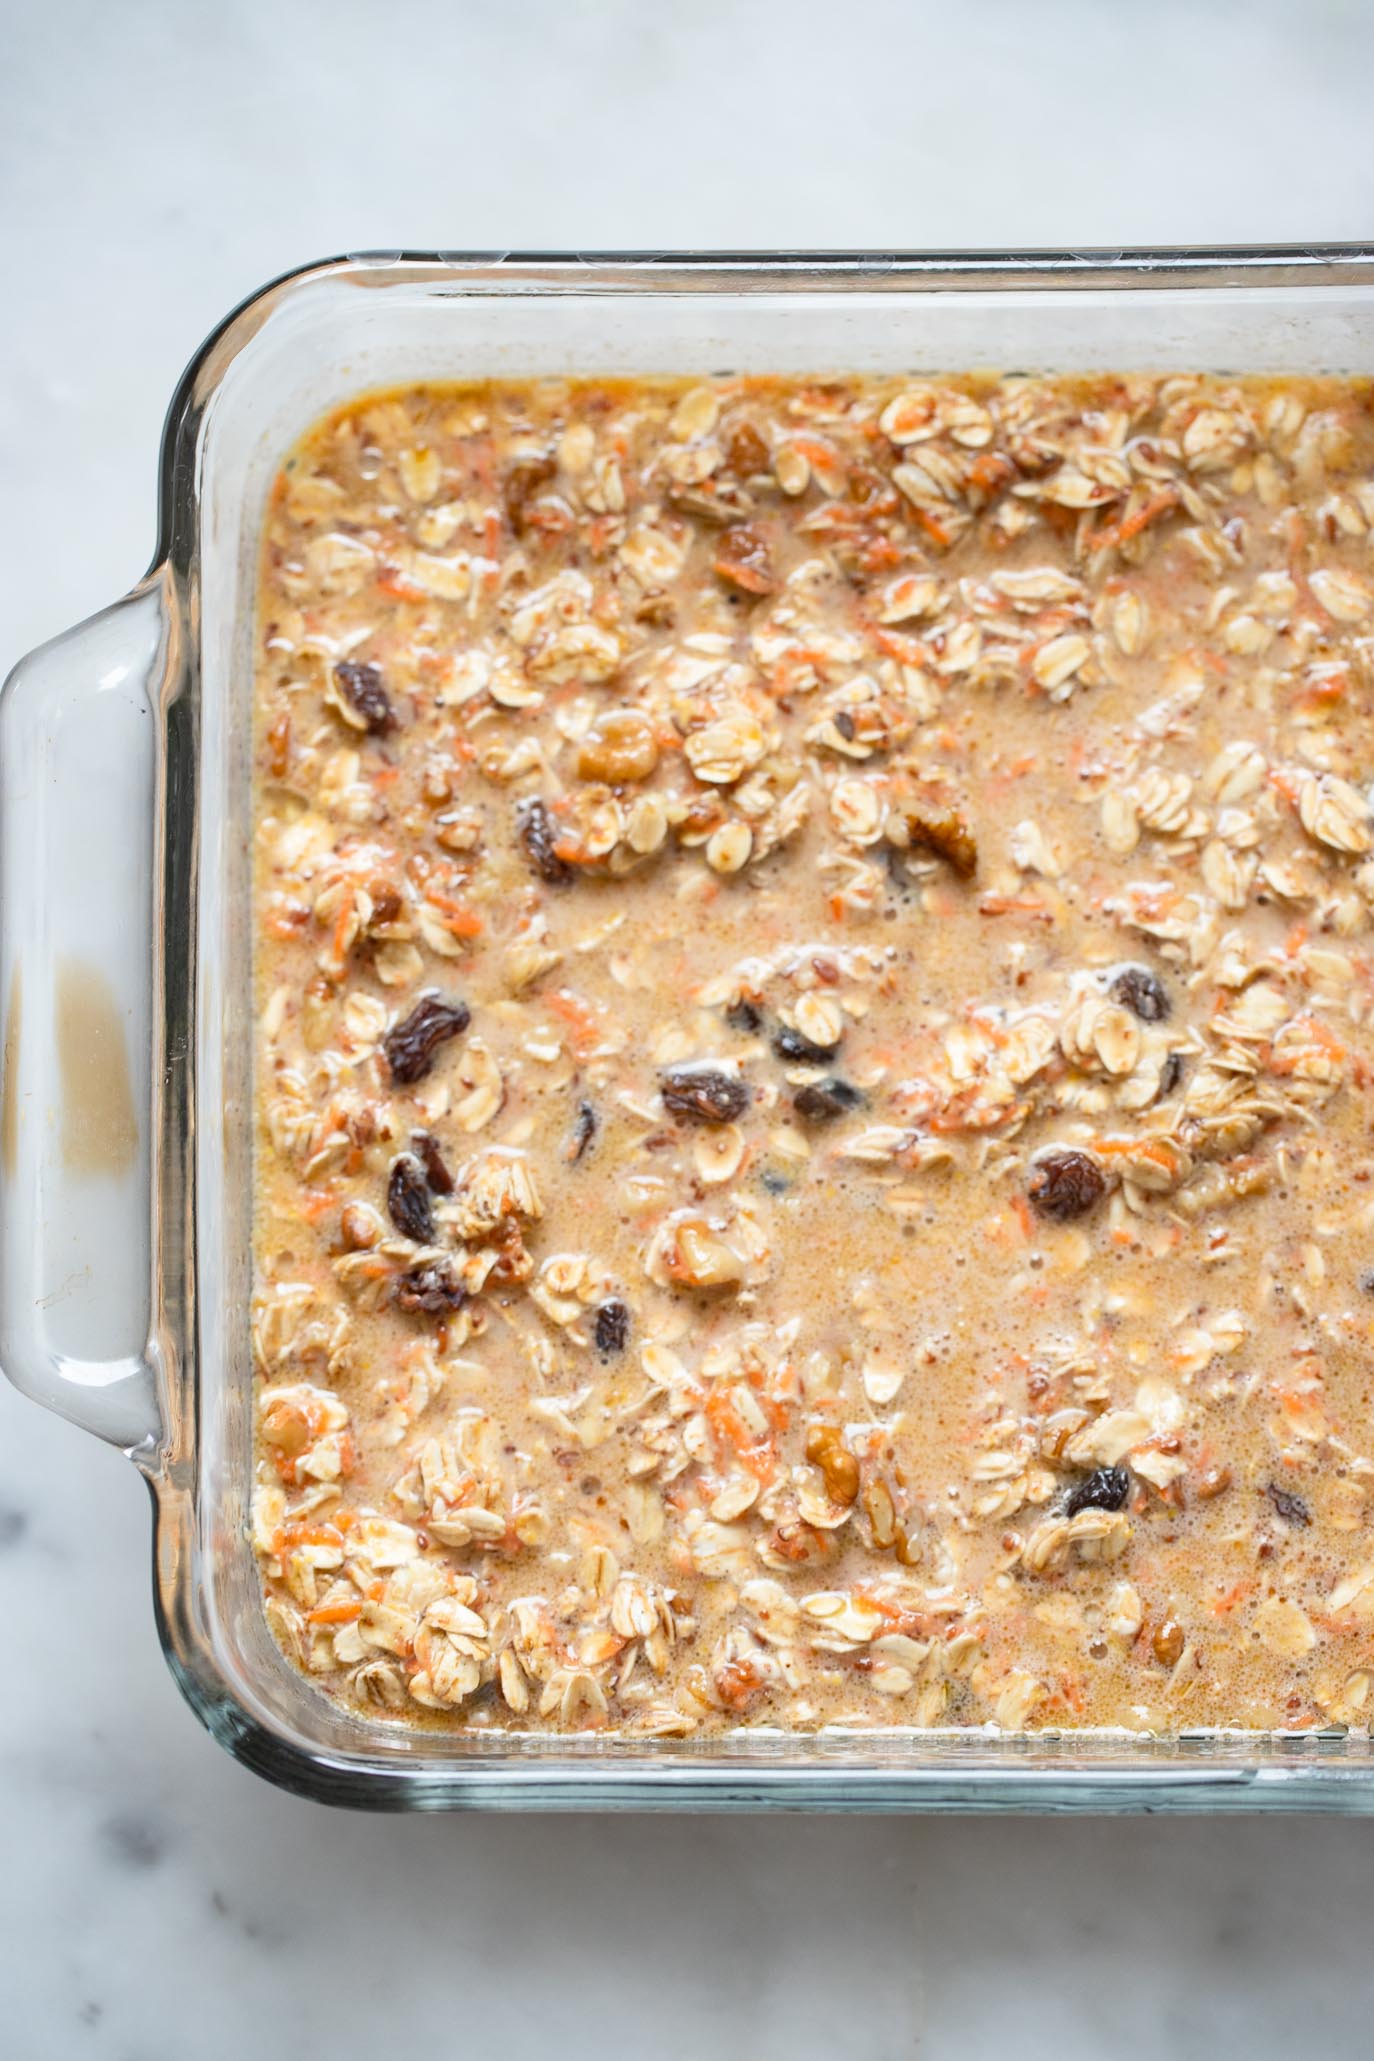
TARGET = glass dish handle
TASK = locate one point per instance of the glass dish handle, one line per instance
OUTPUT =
(78, 800)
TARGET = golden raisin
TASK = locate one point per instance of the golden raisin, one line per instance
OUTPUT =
(745, 561)
(285, 1430)
(619, 746)
(946, 833)
(1168, 1643)
(745, 451)
(826, 1449)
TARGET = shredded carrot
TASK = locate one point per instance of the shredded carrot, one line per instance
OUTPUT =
(1014, 905)
(819, 454)
(1131, 525)
(907, 650)
(934, 528)
(582, 1019)
(755, 1455)
(393, 583)
(335, 1613)
(458, 919)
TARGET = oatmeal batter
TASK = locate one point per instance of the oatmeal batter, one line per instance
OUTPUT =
(814, 975)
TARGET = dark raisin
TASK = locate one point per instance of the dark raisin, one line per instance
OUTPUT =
(844, 723)
(1170, 1074)
(790, 1044)
(432, 1160)
(1064, 1185)
(539, 834)
(433, 1286)
(1105, 1489)
(612, 1326)
(1142, 992)
(704, 1095)
(584, 1129)
(775, 1183)
(522, 483)
(820, 1102)
(411, 1045)
(744, 1016)
(1291, 1508)
(407, 1200)
(361, 687)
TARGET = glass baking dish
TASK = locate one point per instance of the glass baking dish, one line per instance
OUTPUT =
(125, 1109)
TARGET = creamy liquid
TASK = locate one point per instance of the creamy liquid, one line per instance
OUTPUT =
(1007, 741)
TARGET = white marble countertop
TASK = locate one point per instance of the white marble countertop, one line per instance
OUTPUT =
(156, 162)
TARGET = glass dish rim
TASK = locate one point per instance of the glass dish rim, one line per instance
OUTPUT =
(973, 1772)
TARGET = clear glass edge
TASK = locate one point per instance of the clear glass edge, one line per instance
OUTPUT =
(1040, 1773)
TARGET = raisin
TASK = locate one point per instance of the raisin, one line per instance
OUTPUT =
(1367, 1281)
(432, 1159)
(826, 1449)
(704, 1095)
(1064, 1185)
(612, 1326)
(745, 451)
(1291, 1508)
(744, 1016)
(820, 1102)
(1168, 1643)
(584, 1129)
(410, 1045)
(386, 905)
(790, 1044)
(407, 1200)
(871, 490)
(744, 560)
(619, 748)
(1142, 992)
(522, 483)
(945, 833)
(1170, 1074)
(361, 687)
(1105, 1489)
(433, 1286)
(539, 834)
